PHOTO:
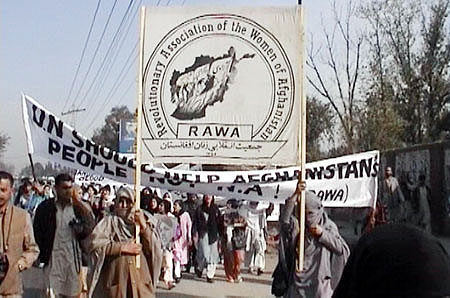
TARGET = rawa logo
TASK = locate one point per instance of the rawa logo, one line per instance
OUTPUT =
(218, 77)
(203, 84)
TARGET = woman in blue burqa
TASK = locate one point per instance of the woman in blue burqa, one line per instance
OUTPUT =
(325, 253)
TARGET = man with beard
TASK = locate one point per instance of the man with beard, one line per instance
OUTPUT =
(18, 249)
(113, 250)
(60, 225)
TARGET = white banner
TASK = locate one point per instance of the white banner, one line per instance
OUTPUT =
(219, 85)
(348, 181)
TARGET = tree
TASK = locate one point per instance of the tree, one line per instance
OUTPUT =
(341, 88)
(4, 139)
(108, 134)
(410, 63)
(381, 126)
(319, 127)
(27, 171)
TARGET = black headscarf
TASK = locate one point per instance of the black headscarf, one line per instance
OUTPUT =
(396, 260)
(209, 226)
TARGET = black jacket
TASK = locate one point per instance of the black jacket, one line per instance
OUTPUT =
(211, 226)
(44, 226)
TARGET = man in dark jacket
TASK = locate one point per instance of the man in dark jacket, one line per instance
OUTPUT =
(190, 205)
(59, 225)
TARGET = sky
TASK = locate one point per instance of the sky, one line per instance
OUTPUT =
(41, 43)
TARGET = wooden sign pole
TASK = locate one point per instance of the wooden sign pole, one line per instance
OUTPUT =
(138, 126)
(301, 196)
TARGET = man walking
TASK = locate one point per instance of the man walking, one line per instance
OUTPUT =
(59, 226)
(392, 197)
(18, 250)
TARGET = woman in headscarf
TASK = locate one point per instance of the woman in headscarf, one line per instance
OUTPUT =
(233, 225)
(113, 250)
(153, 205)
(183, 239)
(167, 225)
(396, 261)
(146, 196)
(325, 252)
(206, 232)
(168, 197)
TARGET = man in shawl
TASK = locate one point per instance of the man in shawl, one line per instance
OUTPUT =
(396, 261)
(325, 252)
(113, 250)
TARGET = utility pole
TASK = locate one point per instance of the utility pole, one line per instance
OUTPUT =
(73, 112)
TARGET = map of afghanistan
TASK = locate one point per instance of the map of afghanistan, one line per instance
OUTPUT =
(203, 84)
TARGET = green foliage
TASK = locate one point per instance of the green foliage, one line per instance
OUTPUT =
(410, 50)
(4, 139)
(108, 134)
(46, 170)
(319, 127)
(390, 89)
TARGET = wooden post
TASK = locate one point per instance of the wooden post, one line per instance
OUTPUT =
(32, 167)
(302, 147)
(138, 126)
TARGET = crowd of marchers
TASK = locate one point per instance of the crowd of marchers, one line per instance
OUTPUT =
(83, 239)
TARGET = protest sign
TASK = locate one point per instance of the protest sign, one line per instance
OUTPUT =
(348, 181)
(220, 85)
(127, 135)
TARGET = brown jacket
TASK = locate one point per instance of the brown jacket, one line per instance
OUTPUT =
(118, 276)
(21, 248)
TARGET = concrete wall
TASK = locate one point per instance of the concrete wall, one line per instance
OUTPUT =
(432, 160)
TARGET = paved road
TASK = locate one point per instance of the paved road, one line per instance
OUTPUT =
(252, 286)
(189, 287)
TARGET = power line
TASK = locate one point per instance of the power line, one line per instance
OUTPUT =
(110, 96)
(111, 46)
(113, 91)
(96, 51)
(116, 83)
(127, 89)
(106, 67)
(101, 86)
(82, 54)
(125, 69)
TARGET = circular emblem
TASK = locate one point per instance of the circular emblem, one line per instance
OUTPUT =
(218, 76)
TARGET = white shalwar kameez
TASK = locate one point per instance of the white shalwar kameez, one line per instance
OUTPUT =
(65, 263)
(255, 240)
